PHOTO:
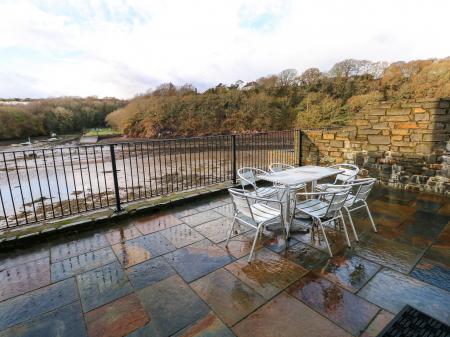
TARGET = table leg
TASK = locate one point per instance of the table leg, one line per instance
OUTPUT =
(287, 211)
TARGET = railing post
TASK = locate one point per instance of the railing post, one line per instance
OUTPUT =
(299, 147)
(116, 182)
(233, 157)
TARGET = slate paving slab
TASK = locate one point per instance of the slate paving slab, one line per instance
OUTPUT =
(202, 206)
(81, 263)
(156, 222)
(66, 321)
(171, 305)
(240, 245)
(182, 211)
(433, 273)
(349, 271)
(102, 285)
(78, 244)
(24, 277)
(389, 253)
(208, 326)
(226, 210)
(268, 274)
(30, 305)
(149, 272)
(122, 234)
(347, 310)
(198, 259)
(306, 256)
(217, 230)
(378, 324)
(286, 316)
(199, 218)
(392, 290)
(12, 258)
(143, 248)
(230, 298)
(181, 235)
(117, 318)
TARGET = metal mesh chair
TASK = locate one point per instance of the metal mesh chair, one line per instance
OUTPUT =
(346, 177)
(357, 199)
(324, 208)
(253, 212)
(247, 177)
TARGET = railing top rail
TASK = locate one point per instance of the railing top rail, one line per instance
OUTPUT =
(146, 141)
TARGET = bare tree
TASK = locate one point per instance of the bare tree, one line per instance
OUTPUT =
(287, 77)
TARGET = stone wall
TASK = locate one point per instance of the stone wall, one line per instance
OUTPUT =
(405, 145)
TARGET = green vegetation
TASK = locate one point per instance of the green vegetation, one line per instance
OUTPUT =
(311, 99)
(105, 132)
(60, 115)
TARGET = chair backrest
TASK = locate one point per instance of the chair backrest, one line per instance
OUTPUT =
(349, 174)
(278, 167)
(240, 201)
(337, 200)
(247, 176)
(363, 188)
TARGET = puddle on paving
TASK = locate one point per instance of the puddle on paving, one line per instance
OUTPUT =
(129, 255)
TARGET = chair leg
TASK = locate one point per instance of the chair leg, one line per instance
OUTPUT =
(352, 224)
(370, 217)
(345, 229)
(231, 231)
(254, 244)
(325, 237)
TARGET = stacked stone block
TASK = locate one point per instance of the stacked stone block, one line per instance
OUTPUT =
(405, 145)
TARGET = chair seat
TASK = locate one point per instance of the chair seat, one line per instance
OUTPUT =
(261, 213)
(313, 207)
(265, 192)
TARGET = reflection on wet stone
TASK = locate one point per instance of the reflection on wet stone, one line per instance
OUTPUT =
(306, 256)
(138, 250)
(156, 222)
(172, 305)
(81, 263)
(198, 259)
(181, 235)
(78, 246)
(199, 218)
(285, 316)
(210, 325)
(341, 306)
(229, 297)
(117, 318)
(392, 254)
(268, 274)
(24, 277)
(122, 234)
(433, 273)
(30, 305)
(217, 230)
(240, 245)
(392, 291)
(102, 285)
(149, 272)
(349, 271)
(66, 321)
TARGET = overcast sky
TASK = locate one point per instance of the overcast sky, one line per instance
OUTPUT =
(120, 48)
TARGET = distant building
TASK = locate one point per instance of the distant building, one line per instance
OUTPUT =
(250, 86)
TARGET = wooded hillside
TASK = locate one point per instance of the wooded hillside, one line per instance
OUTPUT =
(284, 101)
(60, 115)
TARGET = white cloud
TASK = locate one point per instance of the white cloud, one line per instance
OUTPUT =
(119, 48)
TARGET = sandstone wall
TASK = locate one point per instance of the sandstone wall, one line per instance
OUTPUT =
(405, 145)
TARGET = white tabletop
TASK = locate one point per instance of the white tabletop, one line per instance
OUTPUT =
(300, 175)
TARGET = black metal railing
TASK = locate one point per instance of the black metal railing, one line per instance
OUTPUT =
(42, 184)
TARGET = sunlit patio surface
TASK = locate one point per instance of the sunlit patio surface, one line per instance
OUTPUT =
(169, 273)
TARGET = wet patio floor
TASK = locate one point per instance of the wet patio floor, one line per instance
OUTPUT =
(170, 274)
